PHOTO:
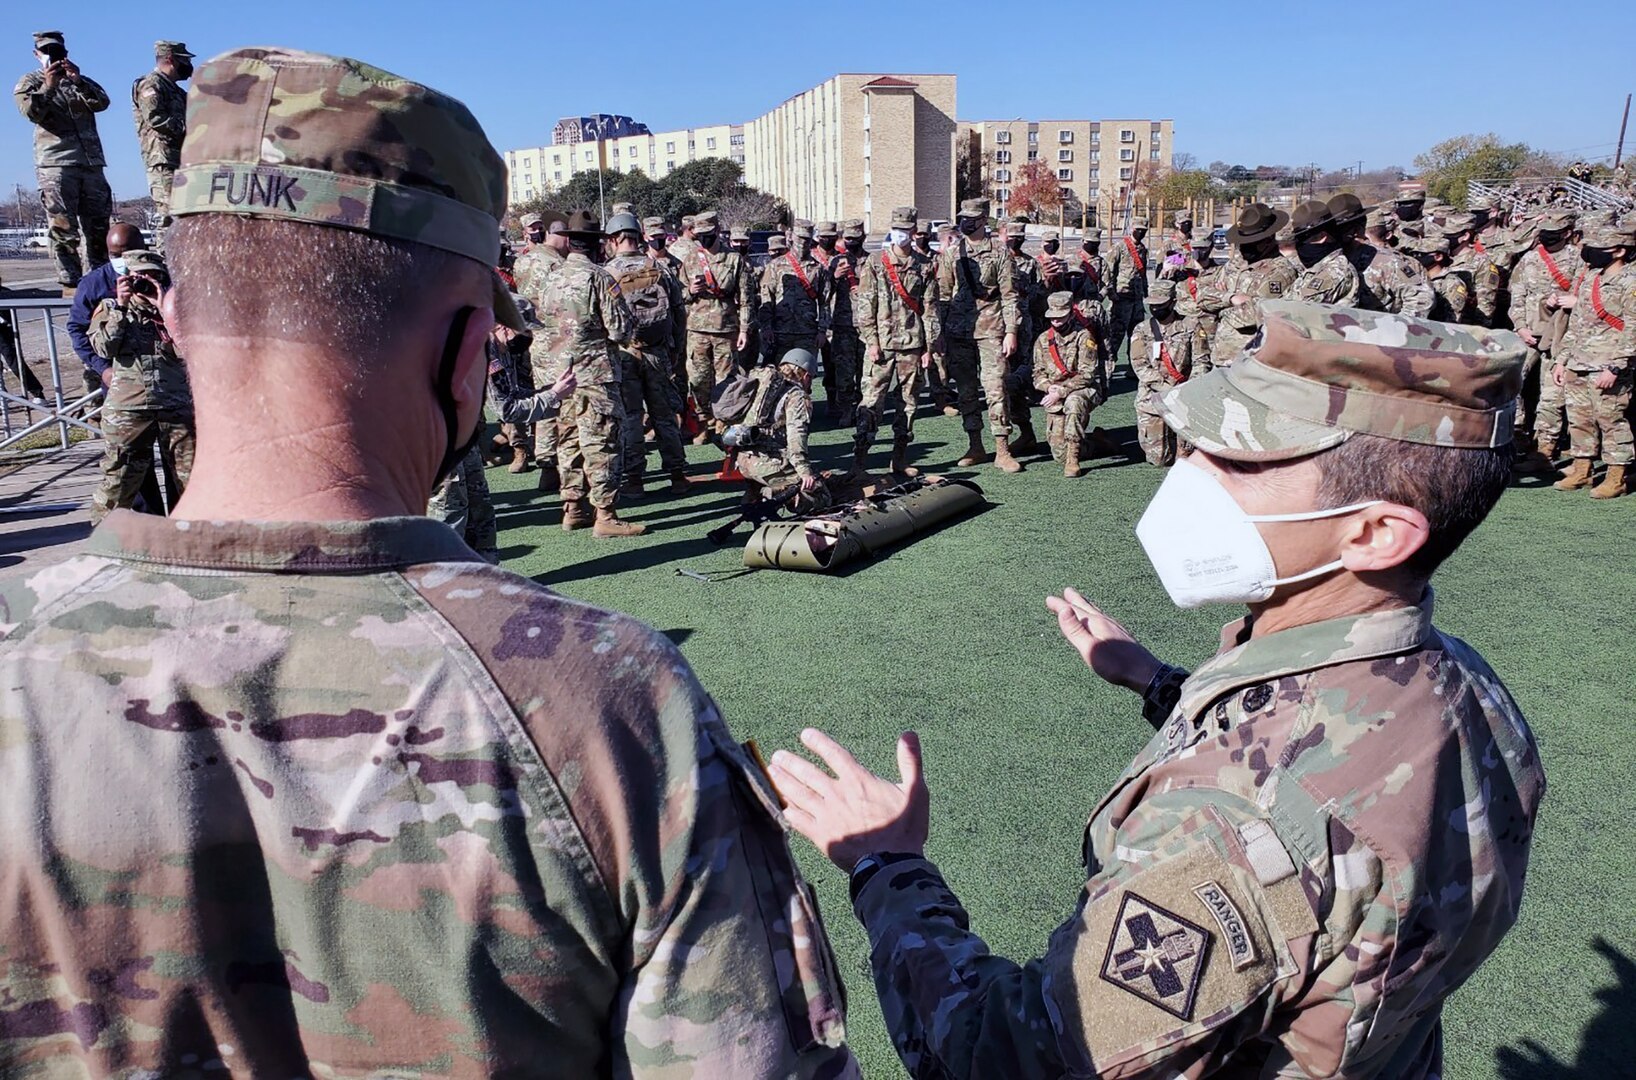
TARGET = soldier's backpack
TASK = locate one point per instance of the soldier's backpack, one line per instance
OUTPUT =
(751, 400)
(643, 287)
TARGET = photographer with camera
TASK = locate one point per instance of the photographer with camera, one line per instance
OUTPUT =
(148, 396)
(62, 105)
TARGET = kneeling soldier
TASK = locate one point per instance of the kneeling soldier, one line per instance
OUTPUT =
(1068, 369)
(772, 441)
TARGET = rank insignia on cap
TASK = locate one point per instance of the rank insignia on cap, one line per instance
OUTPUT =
(1156, 955)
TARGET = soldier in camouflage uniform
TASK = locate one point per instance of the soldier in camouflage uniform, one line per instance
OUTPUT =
(1165, 351)
(794, 302)
(1484, 274)
(646, 367)
(1596, 360)
(1031, 300)
(1260, 274)
(1327, 276)
(462, 502)
(1068, 370)
(979, 313)
(720, 308)
(1330, 830)
(358, 803)
(1388, 280)
(1409, 214)
(62, 105)
(772, 455)
(585, 322)
(1547, 269)
(895, 309)
(159, 105)
(546, 251)
(1451, 287)
(1127, 274)
(938, 382)
(845, 344)
(148, 401)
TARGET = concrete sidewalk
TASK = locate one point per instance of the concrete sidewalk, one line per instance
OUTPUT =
(45, 507)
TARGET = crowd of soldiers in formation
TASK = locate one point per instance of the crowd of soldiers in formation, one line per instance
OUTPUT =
(989, 331)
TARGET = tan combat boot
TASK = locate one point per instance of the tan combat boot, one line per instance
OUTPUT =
(1614, 484)
(1578, 476)
(608, 526)
(900, 456)
(679, 483)
(975, 454)
(576, 515)
(1070, 458)
(519, 460)
(1002, 456)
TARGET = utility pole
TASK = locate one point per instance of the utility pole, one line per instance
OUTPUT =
(1620, 152)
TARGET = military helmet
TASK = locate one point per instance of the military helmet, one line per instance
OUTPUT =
(801, 358)
(623, 222)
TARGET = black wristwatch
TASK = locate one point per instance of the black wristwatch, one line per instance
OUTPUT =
(872, 864)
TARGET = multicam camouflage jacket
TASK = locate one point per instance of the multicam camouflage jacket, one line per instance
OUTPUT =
(1486, 284)
(843, 268)
(1325, 838)
(1451, 301)
(884, 318)
(159, 107)
(791, 425)
(1536, 277)
(1331, 280)
(976, 296)
(147, 373)
(727, 304)
(1602, 323)
(1390, 281)
(1126, 279)
(1269, 279)
(582, 318)
(1167, 353)
(793, 305)
(1089, 274)
(64, 119)
(1030, 285)
(340, 799)
(532, 268)
(1068, 361)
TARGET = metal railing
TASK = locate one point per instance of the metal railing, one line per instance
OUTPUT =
(60, 410)
(1581, 196)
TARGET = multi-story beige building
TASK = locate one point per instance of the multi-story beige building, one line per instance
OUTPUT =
(858, 145)
(1095, 160)
(537, 169)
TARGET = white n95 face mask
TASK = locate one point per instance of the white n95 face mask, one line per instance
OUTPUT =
(1207, 550)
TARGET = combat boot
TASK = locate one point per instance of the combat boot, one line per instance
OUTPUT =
(576, 515)
(609, 527)
(632, 488)
(519, 460)
(1026, 442)
(679, 483)
(1578, 476)
(860, 457)
(1613, 485)
(1537, 461)
(550, 478)
(975, 454)
(1002, 456)
(900, 456)
(1070, 458)
(848, 416)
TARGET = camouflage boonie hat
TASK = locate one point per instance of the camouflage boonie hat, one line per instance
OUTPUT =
(852, 229)
(1059, 305)
(141, 260)
(162, 49)
(737, 233)
(42, 38)
(803, 229)
(705, 221)
(1608, 235)
(977, 208)
(330, 141)
(906, 218)
(778, 242)
(1315, 375)
(1162, 291)
(825, 229)
(653, 226)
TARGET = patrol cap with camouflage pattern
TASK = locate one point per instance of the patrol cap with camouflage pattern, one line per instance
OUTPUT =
(778, 242)
(1315, 375)
(852, 229)
(42, 38)
(1015, 227)
(906, 218)
(1608, 235)
(1093, 235)
(653, 226)
(1162, 291)
(1202, 237)
(1556, 221)
(977, 208)
(803, 229)
(1059, 305)
(162, 49)
(705, 221)
(143, 261)
(330, 141)
(826, 229)
(738, 233)
(532, 219)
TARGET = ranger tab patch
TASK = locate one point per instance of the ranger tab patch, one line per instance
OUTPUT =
(1156, 955)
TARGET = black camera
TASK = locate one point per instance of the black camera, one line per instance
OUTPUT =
(142, 286)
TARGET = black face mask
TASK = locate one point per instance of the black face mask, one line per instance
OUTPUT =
(1050, 247)
(457, 448)
(706, 240)
(969, 226)
(1597, 258)
(184, 71)
(1311, 254)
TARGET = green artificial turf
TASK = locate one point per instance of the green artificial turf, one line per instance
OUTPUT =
(949, 635)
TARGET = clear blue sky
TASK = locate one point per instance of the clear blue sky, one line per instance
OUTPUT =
(1284, 83)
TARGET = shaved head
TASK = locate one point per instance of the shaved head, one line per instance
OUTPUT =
(123, 238)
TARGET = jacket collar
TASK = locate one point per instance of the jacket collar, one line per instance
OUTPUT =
(309, 547)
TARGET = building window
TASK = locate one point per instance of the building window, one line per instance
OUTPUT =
(1067, 192)
(1065, 174)
(1002, 175)
(670, 148)
(1002, 137)
(736, 140)
(1127, 135)
(1065, 136)
(1065, 155)
(1126, 173)
(1153, 155)
(1002, 157)
(1033, 155)
(556, 159)
(529, 194)
(1127, 155)
(710, 144)
(1096, 136)
(557, 176)
(669, 166)
(1003, 194)
(1154, 127)
(588, 155)
(616, 153)
(1096, 174)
